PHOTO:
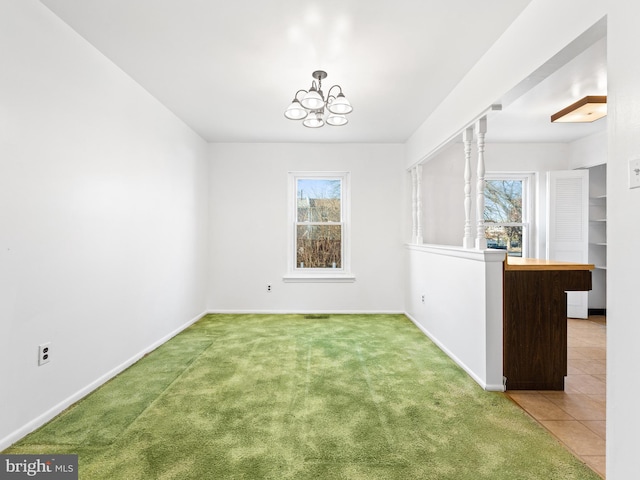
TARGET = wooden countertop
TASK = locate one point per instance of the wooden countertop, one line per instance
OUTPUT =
(516, 263)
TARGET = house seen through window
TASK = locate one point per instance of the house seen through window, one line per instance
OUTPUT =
(319, 227)
(319, 219)
(506, 213)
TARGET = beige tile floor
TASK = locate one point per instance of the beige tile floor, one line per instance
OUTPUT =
(576, 417)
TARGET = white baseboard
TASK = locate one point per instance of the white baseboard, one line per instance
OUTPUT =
(460, 363)
(60, 407)
(306, 312)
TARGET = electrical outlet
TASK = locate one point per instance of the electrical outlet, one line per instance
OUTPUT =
(634, 172)
(268, 288)
(422, 298)
(44, 353)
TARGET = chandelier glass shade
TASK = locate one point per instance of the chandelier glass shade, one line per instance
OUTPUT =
(314, 109)
(336, 120)
(313, 120)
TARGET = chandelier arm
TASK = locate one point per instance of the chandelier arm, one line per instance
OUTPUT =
(295, 97)
(331, 98)
(334, 86)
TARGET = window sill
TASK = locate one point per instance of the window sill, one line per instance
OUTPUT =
(319, 278)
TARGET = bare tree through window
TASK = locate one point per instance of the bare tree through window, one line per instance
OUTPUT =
(503, 215)
(319, 223)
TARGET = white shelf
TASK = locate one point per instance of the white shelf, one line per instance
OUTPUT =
(598, 234)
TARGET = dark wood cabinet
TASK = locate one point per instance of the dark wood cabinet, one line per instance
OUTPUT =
(535, 321)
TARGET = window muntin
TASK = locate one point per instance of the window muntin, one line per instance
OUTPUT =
(506, 213)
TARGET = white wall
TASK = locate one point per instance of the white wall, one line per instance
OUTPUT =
(589, 151)
(248, 184)
(103, 209)
(443, 197)
(462, 307)
(443, 182)
(623, 261)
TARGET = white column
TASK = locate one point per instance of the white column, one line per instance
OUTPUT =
(414, 189)
(419, 238)
(467, 138)
(481, 130)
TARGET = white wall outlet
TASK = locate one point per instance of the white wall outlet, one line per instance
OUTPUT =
(422, 298)
(268, 288)
(44, 353)
(634, 172)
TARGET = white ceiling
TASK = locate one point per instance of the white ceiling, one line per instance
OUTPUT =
(579, 71)
(230, 68)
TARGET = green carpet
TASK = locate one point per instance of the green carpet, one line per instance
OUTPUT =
(292, 397)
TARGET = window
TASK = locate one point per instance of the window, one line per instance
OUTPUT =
(506, 212)
(319, 214)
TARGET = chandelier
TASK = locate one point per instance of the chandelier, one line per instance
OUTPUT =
(311, 107)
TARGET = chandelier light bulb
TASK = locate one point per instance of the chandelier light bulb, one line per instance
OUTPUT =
(312, 100)
(337, 120)
(313, 120)
(340, 105)
(295, 111)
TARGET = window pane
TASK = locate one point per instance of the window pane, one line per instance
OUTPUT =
(503, 201)
(505, 238)
(318, 200)
(319, 246)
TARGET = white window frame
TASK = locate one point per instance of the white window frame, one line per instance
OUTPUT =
(342, 274)
(528, 203)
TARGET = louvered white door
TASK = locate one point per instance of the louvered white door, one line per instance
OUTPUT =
(568, 227)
